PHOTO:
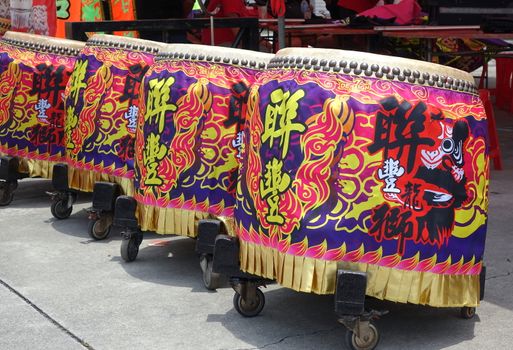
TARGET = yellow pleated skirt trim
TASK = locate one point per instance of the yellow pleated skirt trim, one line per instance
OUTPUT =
(84, 180)
(176, 221)
(169, 221)
(36, 168)
(319, 276)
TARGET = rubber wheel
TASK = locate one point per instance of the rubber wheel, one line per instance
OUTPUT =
(211, 280)
(467, 312)
(13, 185)
(98, 229)
(367, 343)
(249, 308)
(59, 210)
(129, 249)
(6, 196)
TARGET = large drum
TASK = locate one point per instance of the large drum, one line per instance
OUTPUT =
(368, 163)
(34, 71)
(189, 135)
(102, 106)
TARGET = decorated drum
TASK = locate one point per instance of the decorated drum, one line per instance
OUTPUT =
(189, 135)
(368, 163)
(102, 105)
(34, 71)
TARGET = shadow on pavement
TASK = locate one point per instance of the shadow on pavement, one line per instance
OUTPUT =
(403, 326)
(168, 260)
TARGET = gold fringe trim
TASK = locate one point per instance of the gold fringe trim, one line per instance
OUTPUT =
(318, 276)
(84, 180)
(36, 167)
(169, 221)
(229, 225)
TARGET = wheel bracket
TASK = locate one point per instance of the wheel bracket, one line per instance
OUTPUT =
(360, 325)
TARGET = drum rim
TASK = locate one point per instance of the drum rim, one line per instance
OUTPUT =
(123, 42)
(43, 43)
(218, 54)
(375, 66)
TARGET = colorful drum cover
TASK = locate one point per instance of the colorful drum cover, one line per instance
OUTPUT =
(34, 71)
(102, 105)
(368, 163)
(189, 135)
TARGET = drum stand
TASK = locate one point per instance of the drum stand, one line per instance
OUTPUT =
(208, 230)
(219, 258)
(248, 299)
(9, 176)
(223, 251)
(350, 308)
(124, 217)
(102, 211)
(63, 197)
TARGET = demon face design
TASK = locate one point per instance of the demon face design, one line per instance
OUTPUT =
(422, 173)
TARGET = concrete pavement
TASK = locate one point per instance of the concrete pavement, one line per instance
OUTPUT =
(61, 290)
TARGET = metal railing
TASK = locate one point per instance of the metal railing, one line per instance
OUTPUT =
(247, 36)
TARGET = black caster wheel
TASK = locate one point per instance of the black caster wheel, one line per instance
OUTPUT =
(367, 341)
(130, 249)
(7, 192)
(6, 196)
(211, 280)
(99, 229)
(60, 210)
(249, 308)
(13, 185)
(467, 312)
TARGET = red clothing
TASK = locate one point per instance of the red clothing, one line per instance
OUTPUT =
(228, 8)
(405, 12)
(357, 5)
